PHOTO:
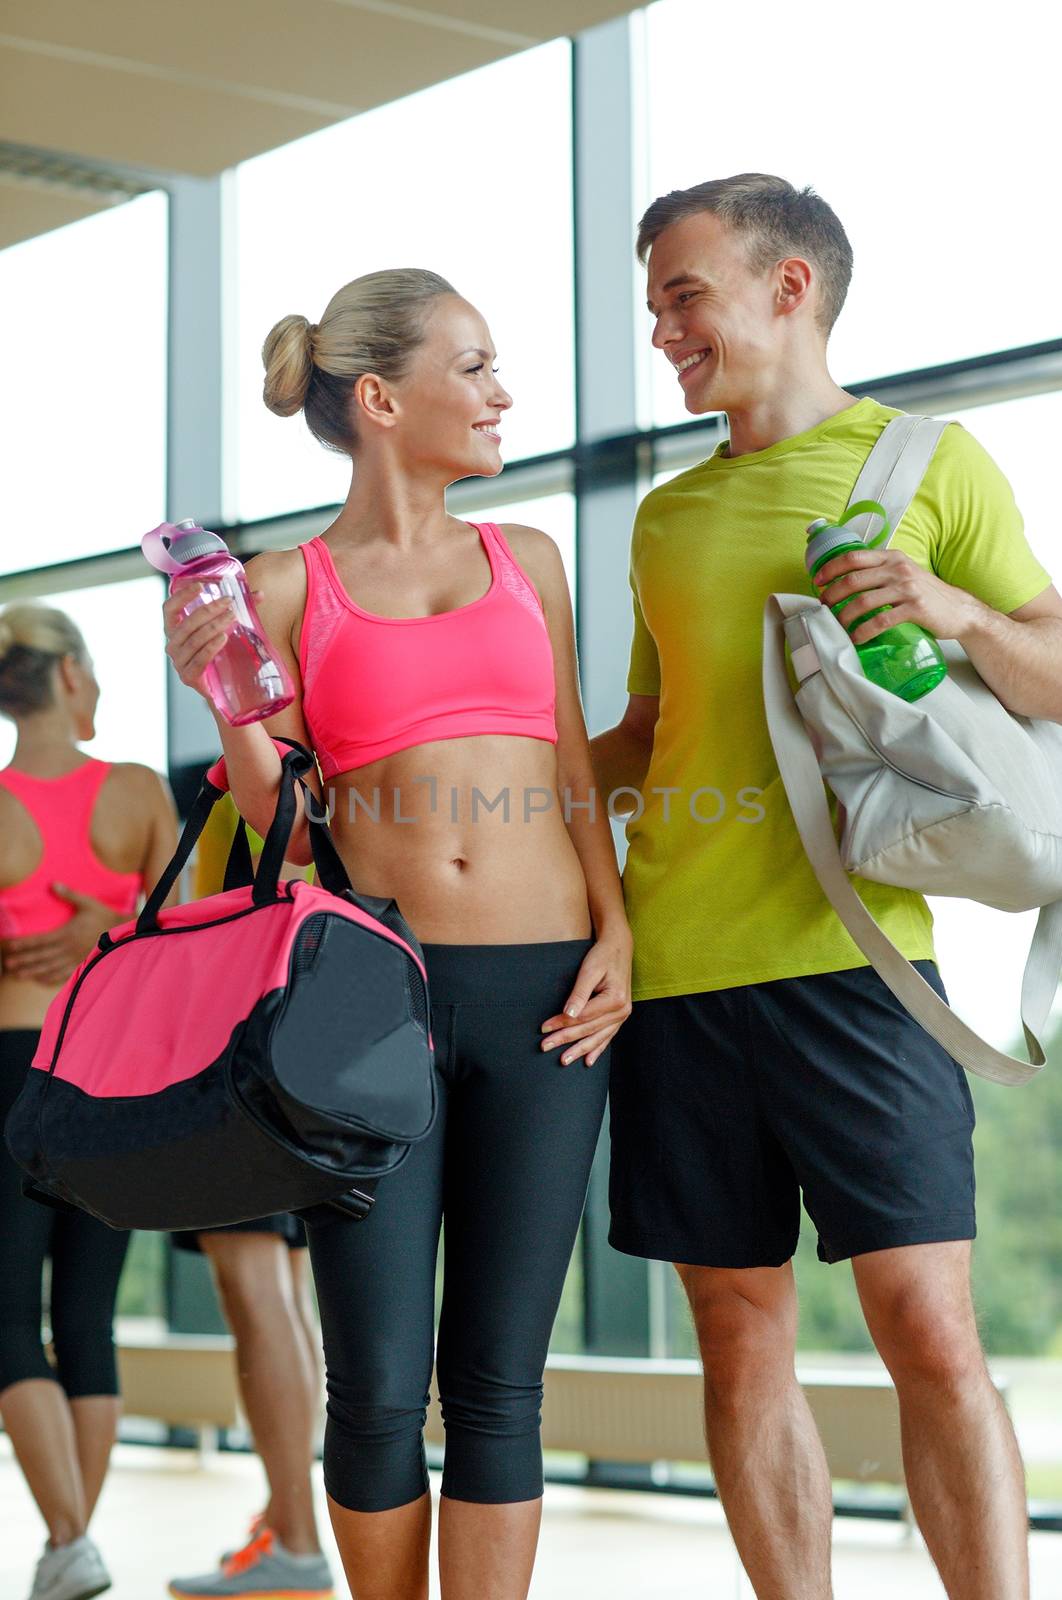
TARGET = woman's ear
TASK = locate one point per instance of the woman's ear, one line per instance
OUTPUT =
(374, 401)
(70, 674)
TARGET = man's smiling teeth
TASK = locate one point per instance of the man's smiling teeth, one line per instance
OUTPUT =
(691, 361)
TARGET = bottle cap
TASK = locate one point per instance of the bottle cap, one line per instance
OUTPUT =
(823, 537)
(195, 543)
(170, 547)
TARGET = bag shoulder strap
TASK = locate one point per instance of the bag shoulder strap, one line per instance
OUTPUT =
(803, 785)
(894, 469)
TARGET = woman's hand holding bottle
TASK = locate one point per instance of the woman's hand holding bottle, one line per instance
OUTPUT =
(194, 638)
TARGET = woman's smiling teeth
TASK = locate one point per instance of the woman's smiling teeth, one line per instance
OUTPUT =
(489, 428)
(693, 360)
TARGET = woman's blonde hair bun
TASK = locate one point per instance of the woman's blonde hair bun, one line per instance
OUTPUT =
(373, 324)
(287, 356)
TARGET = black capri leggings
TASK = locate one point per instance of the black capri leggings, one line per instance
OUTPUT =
(86, 1257)
(506, 1165)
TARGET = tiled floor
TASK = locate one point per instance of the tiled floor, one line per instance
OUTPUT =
(163, 1513)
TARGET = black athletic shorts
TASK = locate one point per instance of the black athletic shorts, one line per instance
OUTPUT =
(726, 1106)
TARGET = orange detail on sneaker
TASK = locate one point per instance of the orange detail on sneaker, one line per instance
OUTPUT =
(242, 1560)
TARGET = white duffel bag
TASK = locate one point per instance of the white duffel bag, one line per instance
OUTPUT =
(951, 795)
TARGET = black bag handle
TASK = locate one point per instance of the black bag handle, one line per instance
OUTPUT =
(294, 763)
(333, 875)
(239, 868)
(203, 804)
(238, 871)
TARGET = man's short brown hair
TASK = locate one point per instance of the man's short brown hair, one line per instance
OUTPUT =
(777, 221)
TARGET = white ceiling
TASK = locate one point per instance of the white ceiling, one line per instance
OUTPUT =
(143, 87)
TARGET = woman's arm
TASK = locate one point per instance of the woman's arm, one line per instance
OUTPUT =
(278, 579)
(606, 971)
(160, 841)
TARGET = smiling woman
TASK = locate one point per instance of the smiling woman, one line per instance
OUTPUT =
(435, 673)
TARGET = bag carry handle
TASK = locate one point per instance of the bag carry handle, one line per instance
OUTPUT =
(203, 804)
(804, 789)
(239, 868)
(296, 761)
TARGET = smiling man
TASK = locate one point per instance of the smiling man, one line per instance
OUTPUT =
(764, 1059)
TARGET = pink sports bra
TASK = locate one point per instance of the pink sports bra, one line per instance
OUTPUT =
(62, 809)
(375, 685)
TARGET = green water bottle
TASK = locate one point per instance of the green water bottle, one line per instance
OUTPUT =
(905, 659)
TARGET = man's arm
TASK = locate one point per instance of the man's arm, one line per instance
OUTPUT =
(1018, 655)
(621, 755)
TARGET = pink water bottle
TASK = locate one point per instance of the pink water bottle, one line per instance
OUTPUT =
(246, 679)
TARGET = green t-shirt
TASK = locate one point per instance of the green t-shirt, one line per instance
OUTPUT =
(718, 889)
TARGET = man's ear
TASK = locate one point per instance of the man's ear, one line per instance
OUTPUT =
(794, 279)
(374, 401)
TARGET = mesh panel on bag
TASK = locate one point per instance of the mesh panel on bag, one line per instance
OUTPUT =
(417, 997)
(310, 943)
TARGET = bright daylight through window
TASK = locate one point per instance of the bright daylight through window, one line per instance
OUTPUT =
(900, 128)
(492, 215)
(84, 426)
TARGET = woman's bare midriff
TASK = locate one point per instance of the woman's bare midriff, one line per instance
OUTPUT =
(469, 837)
(23, 1004)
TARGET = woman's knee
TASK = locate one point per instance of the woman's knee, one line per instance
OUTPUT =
(22, 1353)
(493, 1436)
(500, 1407)
(85, 1361)
(374, 1453)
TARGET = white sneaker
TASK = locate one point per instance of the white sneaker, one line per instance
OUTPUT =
(72, 1571)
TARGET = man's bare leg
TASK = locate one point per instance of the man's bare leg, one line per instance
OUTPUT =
(277, 1380)
(964, 1471)
(767, 1458)
(299, 1264)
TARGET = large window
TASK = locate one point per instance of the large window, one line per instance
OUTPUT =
(83, 401)
(1022, 436)
(933, 138)
(122, 627)
(471, 179)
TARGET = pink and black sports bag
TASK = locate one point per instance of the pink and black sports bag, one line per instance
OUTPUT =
(265, 1049)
